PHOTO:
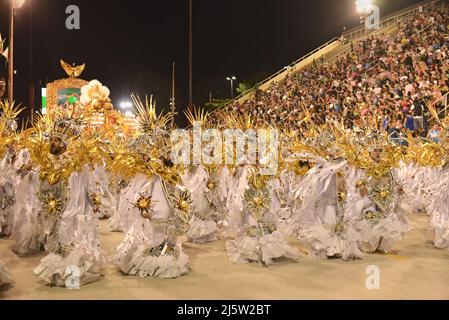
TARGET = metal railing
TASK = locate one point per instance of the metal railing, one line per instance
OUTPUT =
(354, 34)
(285, 70)
(442, 103)
(351, 35)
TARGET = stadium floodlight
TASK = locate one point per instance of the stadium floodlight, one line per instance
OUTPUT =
(126, 105)
(18, 4)
(232, 79)
(364, 6)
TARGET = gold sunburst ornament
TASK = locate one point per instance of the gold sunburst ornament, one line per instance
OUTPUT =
(96, 202)
(211, 184)
(183, 205)
(145, 206)
(257, 202)
(52, 205)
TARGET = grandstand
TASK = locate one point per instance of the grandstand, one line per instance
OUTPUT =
(386, 75)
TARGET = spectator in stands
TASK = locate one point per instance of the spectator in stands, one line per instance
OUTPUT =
(388, 78)
(434, 134)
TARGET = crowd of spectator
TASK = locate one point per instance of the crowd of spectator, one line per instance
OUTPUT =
(386, 79)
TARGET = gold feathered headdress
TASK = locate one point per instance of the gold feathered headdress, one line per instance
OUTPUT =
(8, 117)
(149, 121)
(8, 124)
(64, 124)
(198, 116)
(152, 130)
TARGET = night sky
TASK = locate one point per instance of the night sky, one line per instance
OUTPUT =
(130, 45)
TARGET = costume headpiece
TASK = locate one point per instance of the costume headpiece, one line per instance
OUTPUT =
(65, 125)
(152, 132)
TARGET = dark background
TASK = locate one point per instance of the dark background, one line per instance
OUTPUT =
(130, 45)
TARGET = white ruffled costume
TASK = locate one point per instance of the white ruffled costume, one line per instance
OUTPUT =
(123, 217)
(24, 232)
(439, 210)
(9, 179)
(68, 232)
(417, 182)
(264, 244)
(285, 200)
(234, 184)
(108, 206)
(138, 254)
(380, 234)
(80, 255)
(325, 231)
(203, 228)
(5, 275)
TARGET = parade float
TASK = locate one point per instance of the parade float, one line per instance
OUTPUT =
(91, 96)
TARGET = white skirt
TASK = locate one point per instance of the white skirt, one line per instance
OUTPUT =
(137, 262)
(202, 231)
(79, 267)
(246, 249)
(440, 225)
(381, 235)
(5, 276)
(323, 242)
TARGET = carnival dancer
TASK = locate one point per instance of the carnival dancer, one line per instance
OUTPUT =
(379, 201)
(58, 213)
(325, 226)
(200, 179)
(8, 176)
(261, 241)
(161, 207)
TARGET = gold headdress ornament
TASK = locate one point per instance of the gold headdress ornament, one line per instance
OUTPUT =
(426, 154)
(8, 117)
(152, 128)
(149, 120)
(232, 120)
(444, 123)
(72, 70)
(66, 125)
(8, 124)
(83, 149)
(199, 116)
(358, 152)
(433, 111)
(151, 140)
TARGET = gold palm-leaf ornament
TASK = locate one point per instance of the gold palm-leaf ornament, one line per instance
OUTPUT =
(341, 201)
(199, 116)
(148, 119)
(8, 124)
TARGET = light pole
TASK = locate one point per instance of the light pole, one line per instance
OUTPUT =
(15, 4)
(232, 79)
(190, 57)
(173, 99)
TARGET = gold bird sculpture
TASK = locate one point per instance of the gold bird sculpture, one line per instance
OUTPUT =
(72, 70)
